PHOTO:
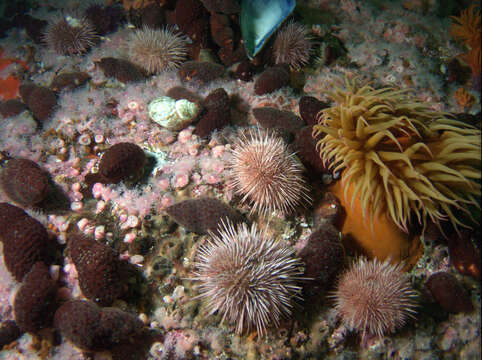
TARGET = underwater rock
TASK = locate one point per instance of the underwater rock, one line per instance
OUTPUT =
(24, 182)
(202, 215)
(34, 28)
(120, 69)
(200, 72)
(34, 304)
(218, 113)
(272, 118)
(324, 257)
(244, 71)
(309, 107)
(98, 267)
(259, 21)
(104, 19)
(121, 162)
(221, 31)
(173, 114)
(271, 79)
(9, 332)
(40, 100)
(447, 291)
(90, 327)
(12, 107)
(227, 7)
(69, 80)
(25, 241)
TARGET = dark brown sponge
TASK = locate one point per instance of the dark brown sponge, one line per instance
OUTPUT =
(448, 293)
(69, 80)
(12, 107)
(222, 6)
(98, 268)
(271, 79)
(9, 332)
(92, 328)
(24, 182)
(217, 115)
(120, 69)
(272, 118)
(25, 241)
(323, 256)
(305, 146)
(309, 107)
(203, 214)
(34, 304)
(122, 161)
(199, 72)
(40, 100)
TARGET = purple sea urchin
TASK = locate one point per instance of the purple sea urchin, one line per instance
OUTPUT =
(266, 174)
(156, 50)
(248, 277)
(70, 36)
(292, 46)
(374, 297)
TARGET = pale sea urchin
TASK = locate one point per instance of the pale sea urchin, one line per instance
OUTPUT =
(248, 277)
(401, 156)
(374, 298)
(266, 174)
(292, 46)
(70, 36)
(156, 50)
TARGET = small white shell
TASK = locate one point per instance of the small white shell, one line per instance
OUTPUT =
(172, 114)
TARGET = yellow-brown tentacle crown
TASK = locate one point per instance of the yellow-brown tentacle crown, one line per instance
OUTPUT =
(401, 157)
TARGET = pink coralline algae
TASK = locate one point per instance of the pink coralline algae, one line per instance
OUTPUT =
(24, 182)
(90, 327)
(98, 268)
(25, 240)
(34, 303)
(202, 215)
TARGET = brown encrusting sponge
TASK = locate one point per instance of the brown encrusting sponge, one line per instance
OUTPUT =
(93, 328)
(98, 268)
(121, 161)
(24, 182)
(218, 113)
(447, 291)
(40, 100)
(34, 303)
(201, 72)
(203, 214)
(25, 241)
(120, 69)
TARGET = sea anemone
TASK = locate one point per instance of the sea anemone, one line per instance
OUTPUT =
(266, 174)
(156, 50)
(374, 298)
(70, 36)
(248, 277)
(401, 157)
(292, 46)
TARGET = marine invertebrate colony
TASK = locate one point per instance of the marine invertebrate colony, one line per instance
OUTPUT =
(157, 50)
(400, 156)
(266, 174)
(248, 277)
(374, 298)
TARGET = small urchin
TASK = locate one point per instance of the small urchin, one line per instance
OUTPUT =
(248, 277)
(156, 50)
(266, 174)
(70, 36)
(374, 298)
(292, 46)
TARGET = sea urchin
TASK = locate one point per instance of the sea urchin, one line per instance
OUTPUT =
(292, 46)
(400, 156)
(266, 174)
(70, 36)
(156, 50)
(374, 298)
(248, 277)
